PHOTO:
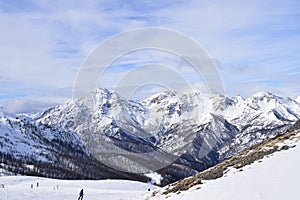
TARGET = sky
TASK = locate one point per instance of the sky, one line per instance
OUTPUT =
(43, 44)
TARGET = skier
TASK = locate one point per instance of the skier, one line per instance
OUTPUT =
(80, 195)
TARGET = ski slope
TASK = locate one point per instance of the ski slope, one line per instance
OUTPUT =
(275, 177)
(19, 188)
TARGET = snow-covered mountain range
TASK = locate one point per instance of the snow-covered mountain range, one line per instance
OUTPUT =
(191, 131)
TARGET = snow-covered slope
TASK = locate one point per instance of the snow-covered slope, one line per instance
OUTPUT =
(31, 148)
(259, 117)
(297, 99)
(275, 176)
(21, 137)
(19, 188)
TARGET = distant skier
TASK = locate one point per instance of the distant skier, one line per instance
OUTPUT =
(80, 195)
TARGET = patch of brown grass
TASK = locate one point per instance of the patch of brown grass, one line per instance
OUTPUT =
(183, 185)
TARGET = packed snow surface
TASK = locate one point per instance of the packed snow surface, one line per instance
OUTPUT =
(19, 187)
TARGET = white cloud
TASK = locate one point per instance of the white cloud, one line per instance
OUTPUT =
(43, 42)
(17, 106)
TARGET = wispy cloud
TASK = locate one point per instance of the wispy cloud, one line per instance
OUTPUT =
(43, 43)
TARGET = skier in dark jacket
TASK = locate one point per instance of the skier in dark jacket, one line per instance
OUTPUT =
(80, 195)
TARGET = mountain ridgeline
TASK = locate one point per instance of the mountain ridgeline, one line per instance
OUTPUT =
(190, 132)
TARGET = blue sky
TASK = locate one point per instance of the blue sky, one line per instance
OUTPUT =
(43, 43)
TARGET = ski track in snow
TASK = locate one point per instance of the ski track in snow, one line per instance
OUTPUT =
(19, 188)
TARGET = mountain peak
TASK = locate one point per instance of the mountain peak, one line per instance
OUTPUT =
(263, 95)
(297, 99)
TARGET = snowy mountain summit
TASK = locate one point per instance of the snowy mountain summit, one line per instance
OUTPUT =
(175, 135)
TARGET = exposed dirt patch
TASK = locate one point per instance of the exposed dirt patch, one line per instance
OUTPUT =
(183, 185)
